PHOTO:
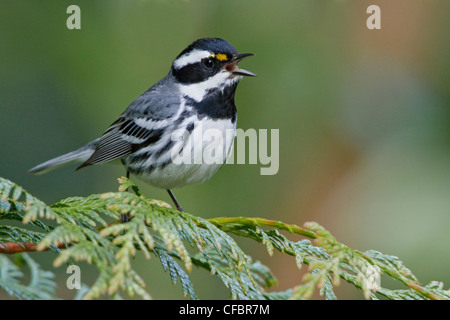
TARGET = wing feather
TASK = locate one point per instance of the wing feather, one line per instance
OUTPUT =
(123, 138)
(142, 124)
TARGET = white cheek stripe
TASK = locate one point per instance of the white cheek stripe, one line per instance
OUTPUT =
(197, 91)
(191, 57)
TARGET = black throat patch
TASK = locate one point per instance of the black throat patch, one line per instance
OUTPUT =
(217, 104)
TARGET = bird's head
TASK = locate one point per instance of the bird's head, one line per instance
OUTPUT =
(209, 63)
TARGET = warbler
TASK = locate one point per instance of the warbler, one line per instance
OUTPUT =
(197, 94)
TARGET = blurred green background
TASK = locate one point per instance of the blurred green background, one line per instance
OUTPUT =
(363, 115)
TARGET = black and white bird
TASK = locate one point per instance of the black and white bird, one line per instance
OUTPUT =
(197, 94)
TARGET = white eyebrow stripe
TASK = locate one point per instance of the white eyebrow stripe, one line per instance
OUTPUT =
(191, 57)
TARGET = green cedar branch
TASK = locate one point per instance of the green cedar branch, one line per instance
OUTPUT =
(88, 230)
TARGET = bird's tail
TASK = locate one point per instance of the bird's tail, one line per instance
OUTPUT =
(77, 156)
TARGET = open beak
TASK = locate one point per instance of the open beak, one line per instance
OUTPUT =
(235, 70)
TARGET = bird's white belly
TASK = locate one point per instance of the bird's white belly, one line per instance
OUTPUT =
(195, 158)
(178, 175)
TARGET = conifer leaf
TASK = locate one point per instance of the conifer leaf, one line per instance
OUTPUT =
(41, 285)
(88, 229)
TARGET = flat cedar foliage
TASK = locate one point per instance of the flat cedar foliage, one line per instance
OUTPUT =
(88, 229)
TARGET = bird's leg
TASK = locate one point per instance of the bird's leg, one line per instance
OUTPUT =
(179, 208)
(125, 216)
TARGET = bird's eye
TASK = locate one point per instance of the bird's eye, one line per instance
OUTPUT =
(208, 63)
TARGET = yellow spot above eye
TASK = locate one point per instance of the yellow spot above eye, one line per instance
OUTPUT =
(221, 57)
